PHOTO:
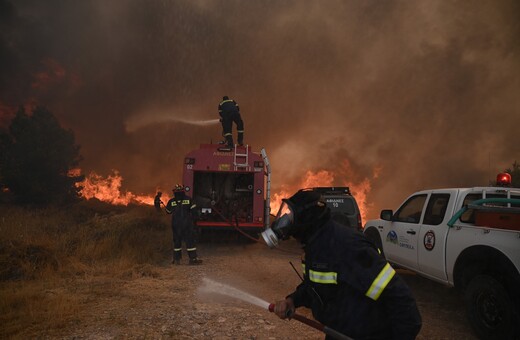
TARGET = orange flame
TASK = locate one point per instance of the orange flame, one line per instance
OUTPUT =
(325, 178)
(109, 190)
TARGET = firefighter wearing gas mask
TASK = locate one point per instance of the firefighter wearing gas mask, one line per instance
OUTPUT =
(181, 208)
(347, 284)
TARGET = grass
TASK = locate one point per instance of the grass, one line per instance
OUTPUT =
(47, 255)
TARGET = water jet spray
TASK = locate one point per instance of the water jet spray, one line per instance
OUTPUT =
(212, 287)
(137, 122)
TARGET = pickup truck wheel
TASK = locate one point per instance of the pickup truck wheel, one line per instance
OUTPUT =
(489, 308)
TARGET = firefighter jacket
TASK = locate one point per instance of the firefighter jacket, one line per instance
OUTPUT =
(181, 209)
(227, 107)
(352, 289)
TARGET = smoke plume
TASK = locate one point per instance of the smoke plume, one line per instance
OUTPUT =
(424, 94)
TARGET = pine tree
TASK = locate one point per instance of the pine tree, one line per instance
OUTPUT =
(37, 155)
(515, 174)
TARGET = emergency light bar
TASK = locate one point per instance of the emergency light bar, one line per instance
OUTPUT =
(504, 179)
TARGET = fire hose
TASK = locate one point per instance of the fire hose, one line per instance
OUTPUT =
(314, 324)
(237, 228)
(291, 314)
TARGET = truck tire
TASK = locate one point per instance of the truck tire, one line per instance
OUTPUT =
(489, 308)
(373, 235)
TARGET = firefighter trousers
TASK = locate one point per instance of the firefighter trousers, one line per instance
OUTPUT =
(227, 126)
(183, 233)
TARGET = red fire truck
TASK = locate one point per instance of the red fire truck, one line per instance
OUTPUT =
(230, 187)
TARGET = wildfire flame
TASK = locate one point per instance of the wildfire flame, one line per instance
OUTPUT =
(326, 178)
(109, 190)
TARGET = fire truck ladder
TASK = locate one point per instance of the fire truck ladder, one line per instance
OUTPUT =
(241, 158)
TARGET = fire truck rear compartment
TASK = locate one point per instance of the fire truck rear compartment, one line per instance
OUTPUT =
(224, 197)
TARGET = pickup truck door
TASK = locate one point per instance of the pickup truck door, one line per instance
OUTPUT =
(401, 234)
(433, 233)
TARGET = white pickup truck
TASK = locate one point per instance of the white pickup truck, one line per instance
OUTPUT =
(468, 238)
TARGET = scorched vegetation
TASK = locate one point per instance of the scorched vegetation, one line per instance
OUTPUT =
(52, 260)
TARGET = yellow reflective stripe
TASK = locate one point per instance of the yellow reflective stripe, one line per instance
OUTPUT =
(193, 206)
(380, 283)
(227, 134)
(174, 204)
(177, 249)
(323, 277)
(226, 101)
(191, 249)
(303, 267)
(186, 202)
(240, 131)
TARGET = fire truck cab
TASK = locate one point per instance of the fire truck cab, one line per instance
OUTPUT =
(228, 186)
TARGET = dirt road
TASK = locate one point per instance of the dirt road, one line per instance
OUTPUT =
(162, 302)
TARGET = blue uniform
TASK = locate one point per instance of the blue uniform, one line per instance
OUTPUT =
(229, 112)
(182, 226)
(352, 289)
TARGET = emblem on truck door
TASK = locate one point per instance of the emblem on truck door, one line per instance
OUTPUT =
(429, 240)
(391, 237)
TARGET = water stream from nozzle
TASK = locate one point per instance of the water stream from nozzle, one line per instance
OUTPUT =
(137, 122)
(212, 287)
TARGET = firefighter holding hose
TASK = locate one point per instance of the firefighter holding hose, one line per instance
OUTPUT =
(347, 284)
(229, 112)
(181, 208)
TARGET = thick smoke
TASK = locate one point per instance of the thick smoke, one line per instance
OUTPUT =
(425, 93)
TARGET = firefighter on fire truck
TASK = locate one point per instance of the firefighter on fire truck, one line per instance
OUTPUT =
(181, 208)
(229, 112)
(347, 284)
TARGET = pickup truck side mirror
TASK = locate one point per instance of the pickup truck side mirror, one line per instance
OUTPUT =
(386, 215)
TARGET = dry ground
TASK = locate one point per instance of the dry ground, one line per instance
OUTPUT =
(156, 300)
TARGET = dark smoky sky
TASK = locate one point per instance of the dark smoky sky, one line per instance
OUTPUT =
(426, 93)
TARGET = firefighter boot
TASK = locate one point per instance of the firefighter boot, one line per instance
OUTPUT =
(240, 138)
(176, 258)
(229, 141)
(195, 261)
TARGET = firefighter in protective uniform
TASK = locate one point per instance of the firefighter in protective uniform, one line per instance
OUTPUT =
(181, 209)
(229, 112)
(157, 202)
(347, 284)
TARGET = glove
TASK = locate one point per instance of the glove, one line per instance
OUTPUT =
(284, 308)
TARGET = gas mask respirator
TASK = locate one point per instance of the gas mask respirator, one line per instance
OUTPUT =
(289, 222)
(281, 227)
